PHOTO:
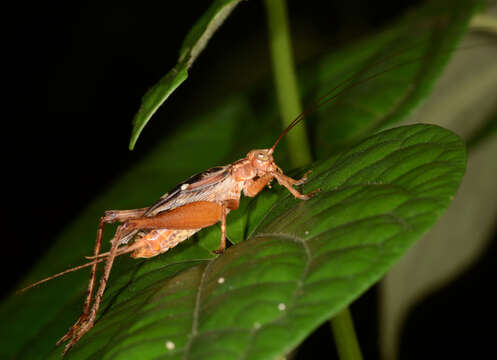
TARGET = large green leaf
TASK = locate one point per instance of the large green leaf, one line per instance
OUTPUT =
(302, 262)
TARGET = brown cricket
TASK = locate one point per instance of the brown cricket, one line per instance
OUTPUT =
(198, 202)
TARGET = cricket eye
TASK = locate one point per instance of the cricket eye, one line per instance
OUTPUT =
(262, 156)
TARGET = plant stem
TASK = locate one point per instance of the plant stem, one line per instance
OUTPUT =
(345, 337)
(290, 106)
(286, 80)
(484, 22)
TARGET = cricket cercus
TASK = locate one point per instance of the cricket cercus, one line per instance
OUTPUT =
(199, 202)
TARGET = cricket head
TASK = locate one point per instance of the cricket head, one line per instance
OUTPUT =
(262, 160)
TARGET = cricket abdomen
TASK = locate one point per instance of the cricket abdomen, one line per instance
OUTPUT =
(159, 241)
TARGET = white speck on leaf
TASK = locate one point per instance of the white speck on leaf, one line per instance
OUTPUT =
(170, 345)
(220, 280)
(281, 306)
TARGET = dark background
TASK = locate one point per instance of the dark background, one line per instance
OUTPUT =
(75, 74)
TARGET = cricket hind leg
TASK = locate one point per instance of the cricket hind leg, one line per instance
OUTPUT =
(109, 217)
(112, 216)
(87, 318)
(194, 215)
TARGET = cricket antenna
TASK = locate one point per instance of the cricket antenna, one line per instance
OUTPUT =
(327, 97)
(315, 105)
(289, 127)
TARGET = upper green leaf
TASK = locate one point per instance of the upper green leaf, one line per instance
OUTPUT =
(194, 43)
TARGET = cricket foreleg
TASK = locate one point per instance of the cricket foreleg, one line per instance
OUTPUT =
(253, 187)
(288, 182)
(303, 179)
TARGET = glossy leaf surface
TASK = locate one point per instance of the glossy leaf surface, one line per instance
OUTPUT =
(302, 262)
